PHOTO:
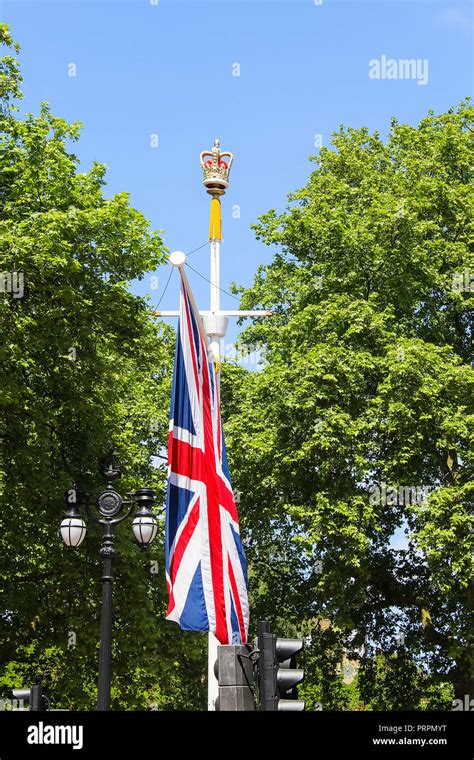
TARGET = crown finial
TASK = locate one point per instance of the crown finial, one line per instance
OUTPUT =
(215, 169)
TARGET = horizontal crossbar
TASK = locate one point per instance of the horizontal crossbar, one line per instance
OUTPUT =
(234, 313)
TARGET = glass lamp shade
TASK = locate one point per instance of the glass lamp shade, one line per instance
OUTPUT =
(73, 531)
(145, 528)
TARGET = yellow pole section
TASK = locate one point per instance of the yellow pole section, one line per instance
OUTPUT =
(215, 220)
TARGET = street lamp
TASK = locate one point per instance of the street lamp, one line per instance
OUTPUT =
(144, 525)
(110, 506)
(73, 528)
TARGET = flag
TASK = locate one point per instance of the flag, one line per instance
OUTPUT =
(206, 568)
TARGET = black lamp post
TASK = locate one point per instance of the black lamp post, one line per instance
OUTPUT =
(110, 506)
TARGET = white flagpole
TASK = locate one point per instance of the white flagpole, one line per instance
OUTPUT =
(215, 347)
(215, 293)
(216, 176)
(214, 322)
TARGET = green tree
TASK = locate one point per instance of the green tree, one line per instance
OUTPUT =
(394, 682)
(82, 364)
(366, 381)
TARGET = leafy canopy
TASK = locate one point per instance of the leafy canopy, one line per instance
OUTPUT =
(82, 364)
(366, 382)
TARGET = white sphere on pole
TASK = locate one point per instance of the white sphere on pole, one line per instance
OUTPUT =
(177, 258)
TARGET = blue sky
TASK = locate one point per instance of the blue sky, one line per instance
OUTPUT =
(166, 68)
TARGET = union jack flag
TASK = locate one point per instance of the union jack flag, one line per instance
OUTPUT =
(206, 568)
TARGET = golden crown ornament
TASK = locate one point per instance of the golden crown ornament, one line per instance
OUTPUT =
(215, 169)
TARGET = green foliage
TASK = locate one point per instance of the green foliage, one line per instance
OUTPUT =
(366, 382)
(81, 364)
(394, 682)
(324, 687)
(10, 76)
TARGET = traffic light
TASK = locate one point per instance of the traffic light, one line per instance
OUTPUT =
(234, 672)
(278, 675)
(35, 696)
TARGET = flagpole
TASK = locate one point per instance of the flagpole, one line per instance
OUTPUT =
(216, 167)
(215, 294)
(216, 180)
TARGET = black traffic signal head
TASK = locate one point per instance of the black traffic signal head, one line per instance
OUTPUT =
(287, 649)
(278, 674)
(36, 696)
(288, 676)
(23, 694)
(234, 672)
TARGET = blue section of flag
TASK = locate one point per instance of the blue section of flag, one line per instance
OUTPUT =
(180, 402)
(194, 615)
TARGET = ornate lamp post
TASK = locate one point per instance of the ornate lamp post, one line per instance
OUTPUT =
(113, 509)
